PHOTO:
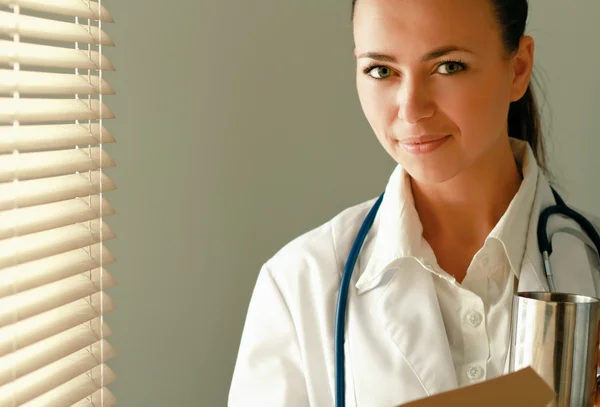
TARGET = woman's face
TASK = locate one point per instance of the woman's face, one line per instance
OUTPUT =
(444, 75)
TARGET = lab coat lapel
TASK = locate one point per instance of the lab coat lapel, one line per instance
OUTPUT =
(570, 266)
(532, 276)
(409, 312)
(405, 302)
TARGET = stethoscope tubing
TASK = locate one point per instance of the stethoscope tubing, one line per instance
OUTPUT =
(340, 318)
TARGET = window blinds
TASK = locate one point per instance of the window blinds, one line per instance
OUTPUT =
(53, 348)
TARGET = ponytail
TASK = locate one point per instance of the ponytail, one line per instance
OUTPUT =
(524, 123)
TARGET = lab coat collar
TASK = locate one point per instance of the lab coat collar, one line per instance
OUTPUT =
(398, 232)
(512, 229)
(532, 276)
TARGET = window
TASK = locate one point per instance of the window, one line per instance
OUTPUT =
(53, 274)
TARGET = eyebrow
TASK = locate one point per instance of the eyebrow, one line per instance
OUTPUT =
(436, 53)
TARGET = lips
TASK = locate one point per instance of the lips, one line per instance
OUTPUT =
(424, 144)
(426, 138)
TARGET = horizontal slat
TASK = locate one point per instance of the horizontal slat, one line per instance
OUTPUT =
(35, 246)
(52, 163)
(36, 138)
(97, 399)
(38, 300)
(31, 358)
(42, 326)
(43, 380)
(33, 219)
(53, 57)
(75, 8)
(14, 251)
(45, 83)
(78, 389)
(52, 110)
(54, 268)
(47, 190)
(45, 29)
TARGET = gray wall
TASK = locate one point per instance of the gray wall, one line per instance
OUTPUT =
(239, 128)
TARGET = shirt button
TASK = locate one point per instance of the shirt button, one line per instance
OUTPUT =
(475, 372)
(474, 319)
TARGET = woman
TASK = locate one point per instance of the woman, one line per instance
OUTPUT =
(445, 85)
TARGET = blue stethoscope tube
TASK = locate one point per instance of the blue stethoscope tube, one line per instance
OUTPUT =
(545, 247)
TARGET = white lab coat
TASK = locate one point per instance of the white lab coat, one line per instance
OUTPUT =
(396, 347)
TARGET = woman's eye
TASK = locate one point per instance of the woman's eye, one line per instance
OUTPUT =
(446, 68)
(451, 67)
(384, 71)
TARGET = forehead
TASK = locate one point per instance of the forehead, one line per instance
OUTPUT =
(420, 25)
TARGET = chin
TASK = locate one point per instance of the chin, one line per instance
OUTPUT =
(430, 177)
(434, 173)
(436, 167)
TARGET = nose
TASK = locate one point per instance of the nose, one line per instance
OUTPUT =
(414, 100)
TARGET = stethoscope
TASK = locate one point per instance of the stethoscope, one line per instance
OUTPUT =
(545, 246)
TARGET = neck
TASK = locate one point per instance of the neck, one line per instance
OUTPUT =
(467, 207)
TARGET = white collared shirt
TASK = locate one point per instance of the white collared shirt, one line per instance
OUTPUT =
(476, 312)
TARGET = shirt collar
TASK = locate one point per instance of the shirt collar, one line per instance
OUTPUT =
(398, 230)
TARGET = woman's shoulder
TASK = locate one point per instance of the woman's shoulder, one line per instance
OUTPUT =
(322, 249)
(592, 218)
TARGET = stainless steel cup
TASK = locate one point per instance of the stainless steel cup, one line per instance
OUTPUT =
(557, 335)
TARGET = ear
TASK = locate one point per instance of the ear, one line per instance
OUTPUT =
(522, 66)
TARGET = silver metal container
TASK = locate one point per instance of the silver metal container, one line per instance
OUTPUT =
(557, 335)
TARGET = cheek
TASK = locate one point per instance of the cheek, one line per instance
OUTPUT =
(478, 109)
(377, 105)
